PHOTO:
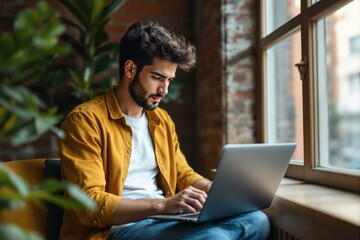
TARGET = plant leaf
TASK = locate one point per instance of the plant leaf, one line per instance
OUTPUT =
(70, 23)
(76, 193)
(48, 190)
(75, 10)
(23, 120)
(77, 46)
(97, 7)
(10, 231)
(8, 178)
(112, 7)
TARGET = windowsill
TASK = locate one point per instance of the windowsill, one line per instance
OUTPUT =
(309, 211)
(336, 203)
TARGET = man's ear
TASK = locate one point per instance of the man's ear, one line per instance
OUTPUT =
(129, 69)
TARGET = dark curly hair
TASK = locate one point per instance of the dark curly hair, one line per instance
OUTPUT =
(144, 41)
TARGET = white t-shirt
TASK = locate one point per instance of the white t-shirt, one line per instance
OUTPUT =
(140, 182)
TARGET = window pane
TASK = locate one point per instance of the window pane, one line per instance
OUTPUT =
(284, 94)
(314, 1)
(355, 45)
(339, 88)
(279, 12)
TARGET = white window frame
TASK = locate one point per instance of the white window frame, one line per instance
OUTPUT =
(306, 21)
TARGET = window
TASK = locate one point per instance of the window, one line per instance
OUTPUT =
(355, 45)
(279, 11)
(284, 94)
(309, 51)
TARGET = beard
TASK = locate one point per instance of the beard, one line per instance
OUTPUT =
(138, 93)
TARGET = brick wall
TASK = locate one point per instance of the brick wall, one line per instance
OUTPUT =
(218, 103)
(225, 34)
(239, 53)
(209, 84)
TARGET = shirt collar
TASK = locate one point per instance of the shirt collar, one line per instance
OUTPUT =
(112, 104)
(153, 117)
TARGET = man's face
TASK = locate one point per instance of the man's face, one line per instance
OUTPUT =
(150, 86)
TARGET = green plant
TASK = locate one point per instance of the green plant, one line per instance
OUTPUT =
(91, 73)
(25, 55)
(15, 192)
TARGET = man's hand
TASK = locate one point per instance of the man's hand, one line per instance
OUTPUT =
(190, 199)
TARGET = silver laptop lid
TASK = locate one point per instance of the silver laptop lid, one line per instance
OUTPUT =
(247, 178)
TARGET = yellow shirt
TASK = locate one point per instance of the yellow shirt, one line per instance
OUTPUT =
(95, 155)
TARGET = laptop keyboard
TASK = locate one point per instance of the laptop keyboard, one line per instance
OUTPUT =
(191, 215)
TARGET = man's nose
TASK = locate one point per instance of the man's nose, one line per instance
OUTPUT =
(163, 90)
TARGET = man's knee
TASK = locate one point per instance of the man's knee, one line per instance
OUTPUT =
(257, 226)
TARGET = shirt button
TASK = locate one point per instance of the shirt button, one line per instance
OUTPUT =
(123, 179)
(129, 133)
(129, 151)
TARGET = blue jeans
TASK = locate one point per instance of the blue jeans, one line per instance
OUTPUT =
(254, 225)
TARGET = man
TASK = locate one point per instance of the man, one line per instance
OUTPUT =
(123, 151)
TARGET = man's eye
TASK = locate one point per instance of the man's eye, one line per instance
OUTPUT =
(156, 77)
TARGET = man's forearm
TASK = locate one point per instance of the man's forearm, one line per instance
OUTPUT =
(129, 210)
(203, 184)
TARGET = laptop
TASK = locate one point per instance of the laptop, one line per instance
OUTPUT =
(247, 178)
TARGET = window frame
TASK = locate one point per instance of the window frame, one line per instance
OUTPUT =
(306, 22)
